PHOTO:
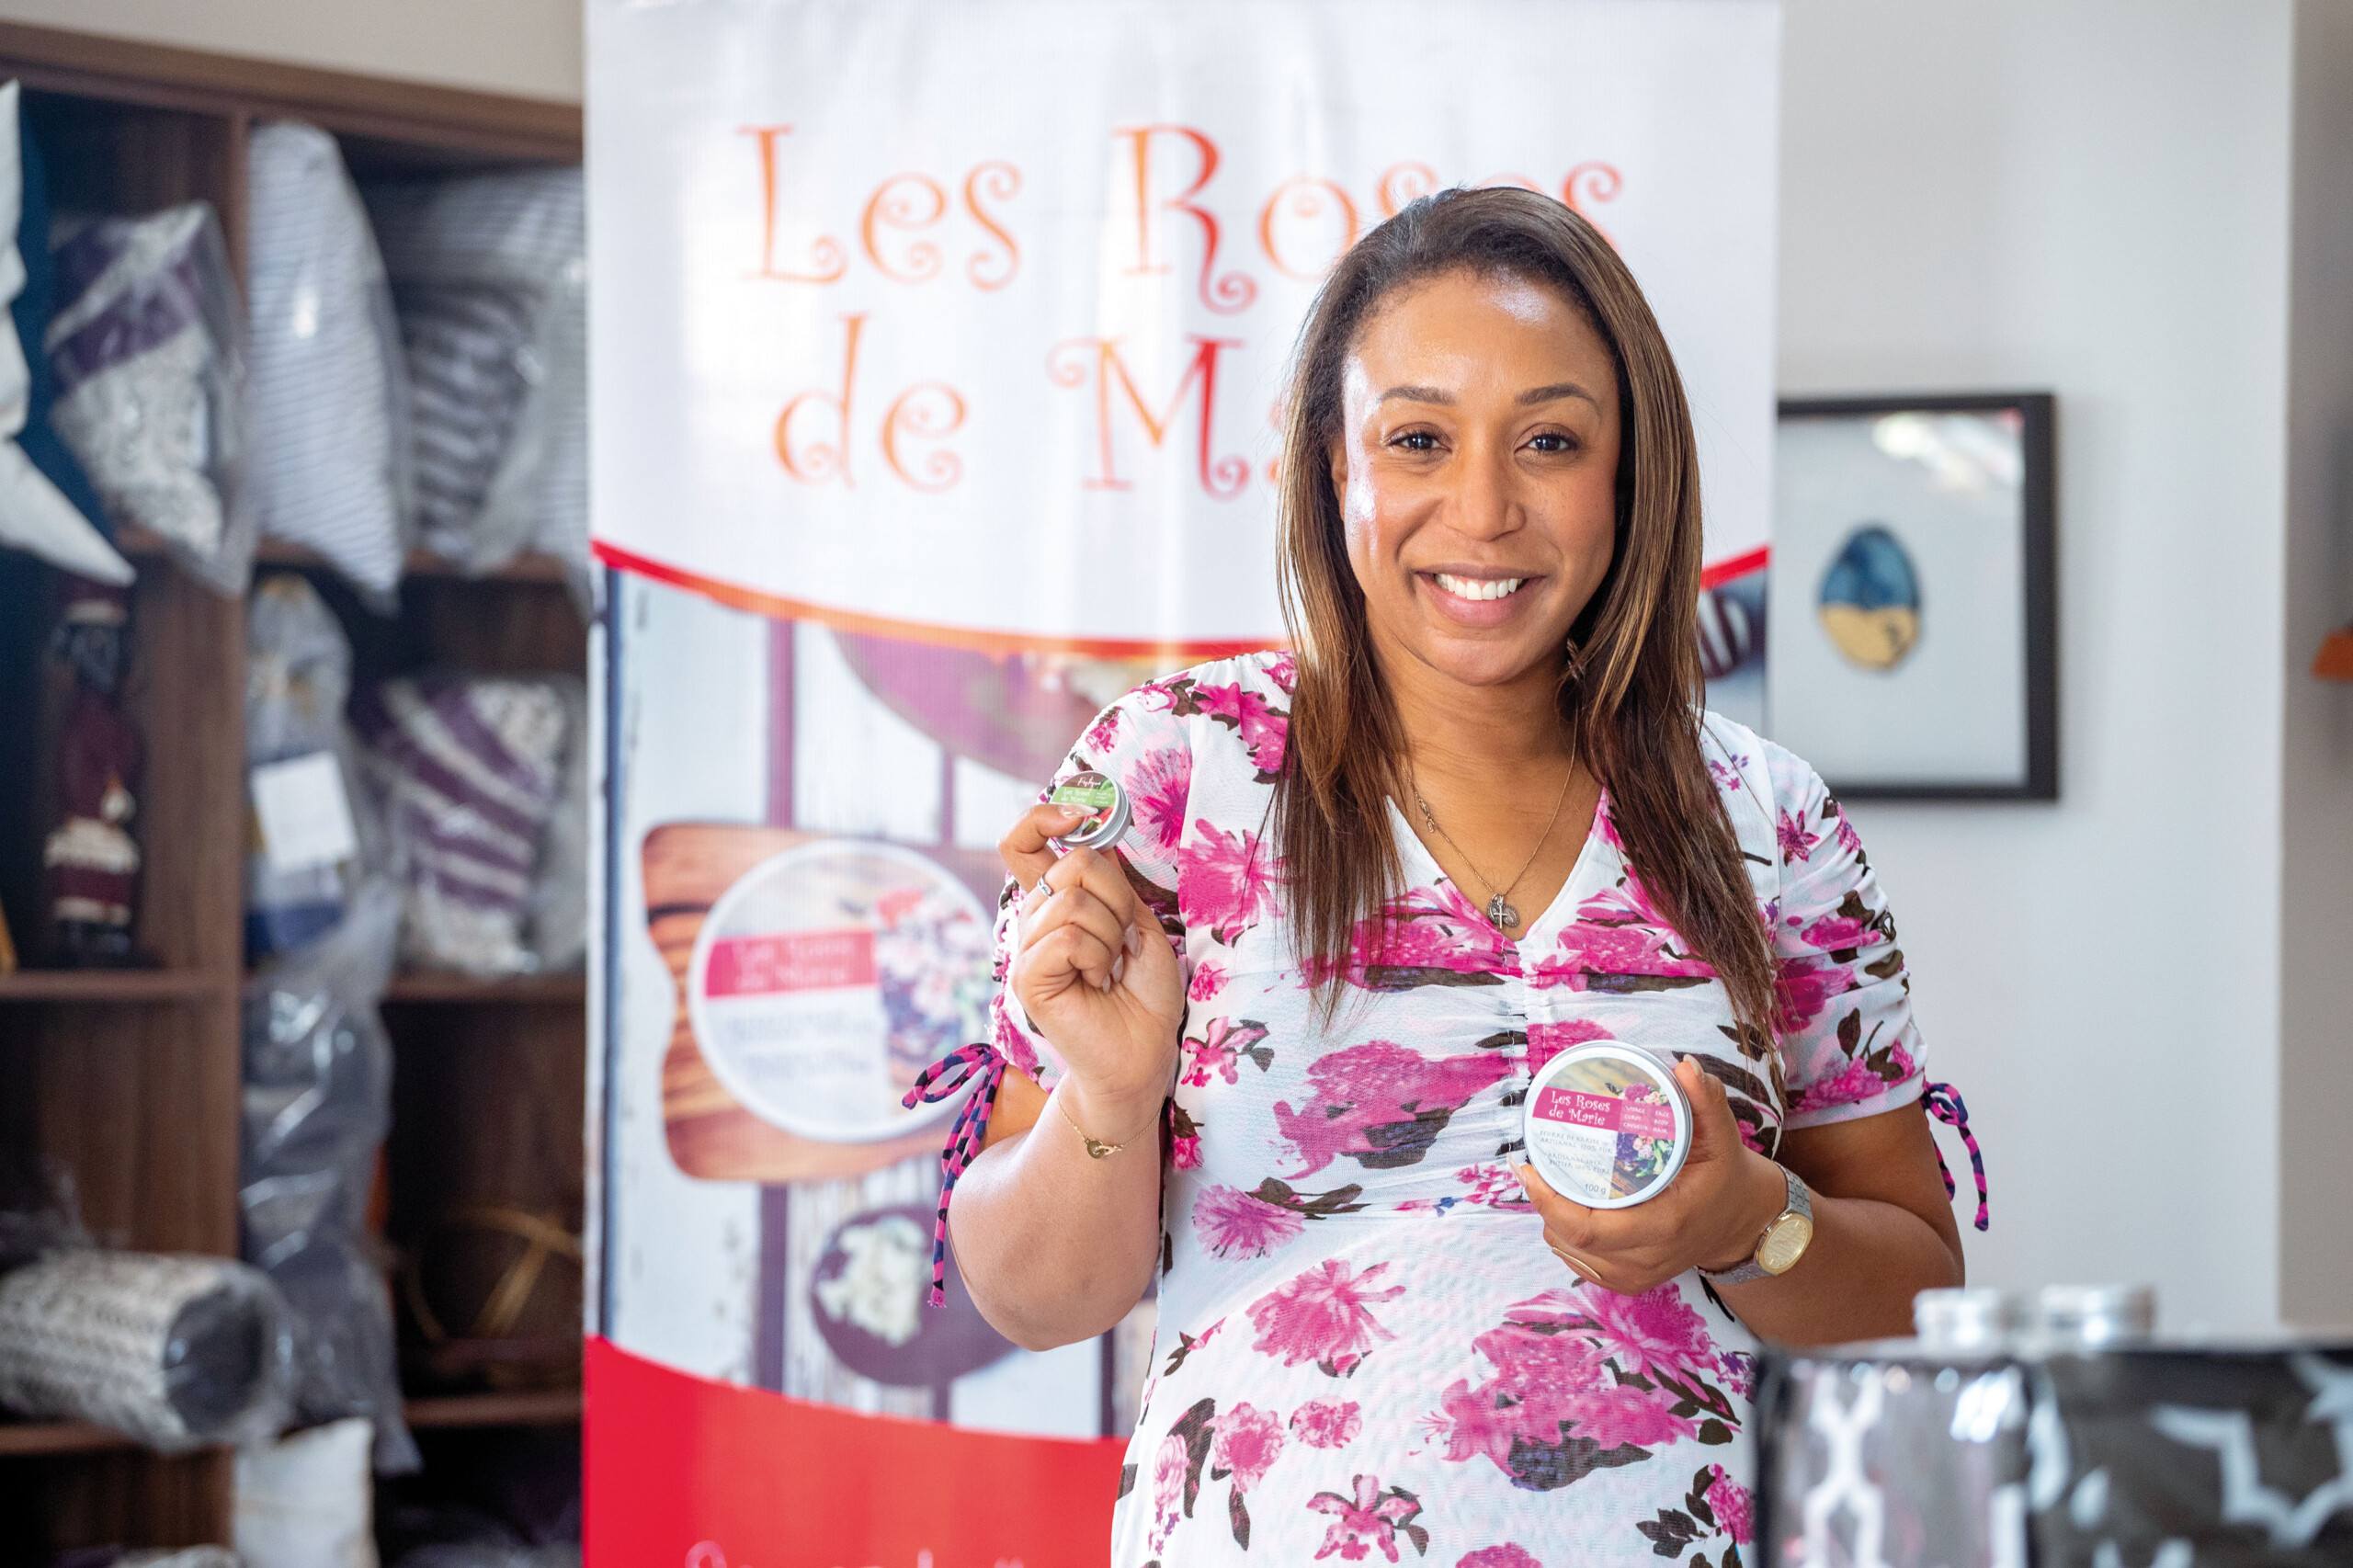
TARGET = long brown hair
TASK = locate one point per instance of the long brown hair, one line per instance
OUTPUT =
(1630, 697)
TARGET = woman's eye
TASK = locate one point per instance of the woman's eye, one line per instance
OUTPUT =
(1551, 441)
(1415, 441)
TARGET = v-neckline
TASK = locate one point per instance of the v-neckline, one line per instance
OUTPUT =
(1434, 875)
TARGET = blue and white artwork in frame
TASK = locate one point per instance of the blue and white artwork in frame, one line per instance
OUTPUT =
(1911, 608)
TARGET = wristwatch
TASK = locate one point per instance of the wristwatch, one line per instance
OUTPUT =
(1783, 1242)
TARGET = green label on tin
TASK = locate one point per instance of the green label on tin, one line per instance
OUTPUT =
(1093, 797)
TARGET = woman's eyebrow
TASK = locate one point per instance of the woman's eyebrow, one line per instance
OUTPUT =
(1556, 390)
(1420, 395)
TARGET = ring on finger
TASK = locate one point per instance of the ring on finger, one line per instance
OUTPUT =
(1590, 1273)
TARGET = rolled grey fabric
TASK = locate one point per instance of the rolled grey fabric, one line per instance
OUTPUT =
(176, 1351)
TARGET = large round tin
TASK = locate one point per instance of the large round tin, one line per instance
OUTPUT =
(1607, 1125)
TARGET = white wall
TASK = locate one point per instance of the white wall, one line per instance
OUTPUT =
(2089, 196)
(530, 48)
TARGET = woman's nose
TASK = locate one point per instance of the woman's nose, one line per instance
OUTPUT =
(1486, 502)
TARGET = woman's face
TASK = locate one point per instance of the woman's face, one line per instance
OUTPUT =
(1477, 471)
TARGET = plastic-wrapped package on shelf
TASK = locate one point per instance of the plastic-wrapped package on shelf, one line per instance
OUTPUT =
(306, 1501)
(35, 515)
(176, 1351)
(315, 830)
(148, 350)
(559, 926)
(465, 770)
(327, 396)
(317, 1101)
(490, 275)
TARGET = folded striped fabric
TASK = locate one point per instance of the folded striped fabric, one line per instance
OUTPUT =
(466, 769)
(490, 275)
(146, 371)
(466, 351)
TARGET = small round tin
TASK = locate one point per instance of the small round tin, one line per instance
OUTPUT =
(1966, 1318)
(1105, 803)
(2090, 1316)
(1607, 1125)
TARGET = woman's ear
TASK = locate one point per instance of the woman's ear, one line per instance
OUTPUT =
(1340, 471)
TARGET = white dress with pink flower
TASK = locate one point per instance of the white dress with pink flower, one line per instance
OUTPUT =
(1365, 1349)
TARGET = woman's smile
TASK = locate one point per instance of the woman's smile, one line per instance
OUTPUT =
(1471, 598)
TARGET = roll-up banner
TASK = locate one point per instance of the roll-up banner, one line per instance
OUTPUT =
(937, 354)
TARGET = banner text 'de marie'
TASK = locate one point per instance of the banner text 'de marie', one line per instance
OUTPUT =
(1176, 220)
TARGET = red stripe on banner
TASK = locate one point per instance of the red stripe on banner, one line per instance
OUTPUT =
(1717, 574)
(685, 1472)
(981, 639)
(985, 640)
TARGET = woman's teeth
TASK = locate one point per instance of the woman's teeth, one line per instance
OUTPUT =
(1478, 588)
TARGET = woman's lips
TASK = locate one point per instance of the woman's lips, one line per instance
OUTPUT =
(1475, 600)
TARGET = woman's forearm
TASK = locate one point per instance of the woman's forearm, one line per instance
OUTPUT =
(1056, 1244)
(1857, 1280)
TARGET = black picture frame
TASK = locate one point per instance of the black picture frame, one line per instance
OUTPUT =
(2038, 557)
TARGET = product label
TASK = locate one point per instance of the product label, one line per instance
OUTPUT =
(305, 817)
(789, 960)
(817, 1051)
(1093, 796)
(1576, 1159)
(1605, 1112)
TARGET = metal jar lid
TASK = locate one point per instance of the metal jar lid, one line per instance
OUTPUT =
(1971, 1318)
(2089, 1316)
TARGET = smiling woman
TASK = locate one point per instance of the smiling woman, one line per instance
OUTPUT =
(1369, 892)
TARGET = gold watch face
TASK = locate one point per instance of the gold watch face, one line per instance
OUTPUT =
(1784, 1243)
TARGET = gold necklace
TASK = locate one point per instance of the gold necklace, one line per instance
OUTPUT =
(1500, 914)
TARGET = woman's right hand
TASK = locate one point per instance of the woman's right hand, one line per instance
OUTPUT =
(1094, 973)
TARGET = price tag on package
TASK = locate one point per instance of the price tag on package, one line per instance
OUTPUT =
(305, 817)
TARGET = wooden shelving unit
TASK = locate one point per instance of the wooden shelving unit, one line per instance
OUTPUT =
(32, 1438)
(122, 986)
(550, 1407)
(425, 986)
(555, 1408)
(141, 545)
(129, 1080)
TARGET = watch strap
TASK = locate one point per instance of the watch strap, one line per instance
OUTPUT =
(1748, 1270)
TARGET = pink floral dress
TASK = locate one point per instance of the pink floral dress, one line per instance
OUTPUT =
(1365, 1349)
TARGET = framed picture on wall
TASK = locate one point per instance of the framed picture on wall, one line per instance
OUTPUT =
(1912, 622)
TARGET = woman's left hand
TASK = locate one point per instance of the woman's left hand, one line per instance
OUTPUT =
(1709, 1217)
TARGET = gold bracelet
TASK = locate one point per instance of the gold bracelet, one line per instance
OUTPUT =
(1095, 1148)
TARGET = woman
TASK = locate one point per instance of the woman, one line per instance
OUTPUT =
(1479, 818)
